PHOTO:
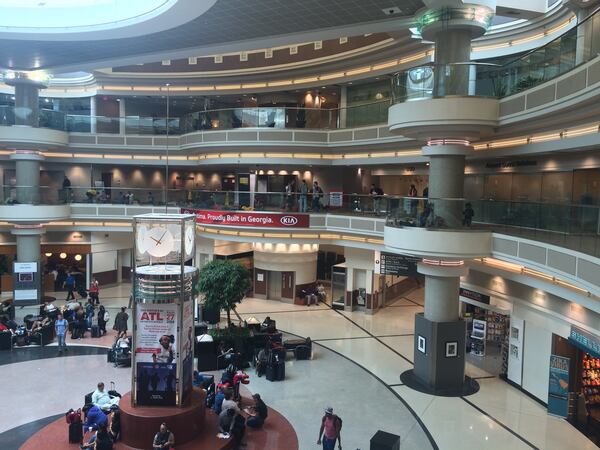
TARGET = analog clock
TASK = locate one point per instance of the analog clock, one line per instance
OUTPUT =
(189, 239)
(159, 242)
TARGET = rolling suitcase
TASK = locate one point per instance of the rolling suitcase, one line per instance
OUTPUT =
(95, 331)
(302, 352)
(275, 371)
(110, 355)
(75, 433)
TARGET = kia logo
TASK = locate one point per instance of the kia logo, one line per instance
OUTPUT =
(288, 221)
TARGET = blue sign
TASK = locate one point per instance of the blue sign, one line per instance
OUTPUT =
(558, 386)
(585, 341)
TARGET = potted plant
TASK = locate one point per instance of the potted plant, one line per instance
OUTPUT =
(223, 284)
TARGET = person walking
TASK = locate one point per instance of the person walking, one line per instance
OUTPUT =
(69, 285)
(330, 431)
(61, 326)
(303, 197)
(121, 321)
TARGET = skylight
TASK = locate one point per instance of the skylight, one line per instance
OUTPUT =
(76, 15)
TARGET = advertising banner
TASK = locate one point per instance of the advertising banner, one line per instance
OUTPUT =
(187, 348)
(249, 218)
(156, 354)
(558, 386)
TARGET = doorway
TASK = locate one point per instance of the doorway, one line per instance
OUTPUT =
(287, 285)
(274, 284)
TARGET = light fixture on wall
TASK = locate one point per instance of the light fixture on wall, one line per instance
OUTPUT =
(63, 255)
(48, 254)
(78, 257)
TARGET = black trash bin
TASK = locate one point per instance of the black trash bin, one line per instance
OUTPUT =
(385, 441)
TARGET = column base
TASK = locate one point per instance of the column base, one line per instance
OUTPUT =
(439, 359)
(468, 387)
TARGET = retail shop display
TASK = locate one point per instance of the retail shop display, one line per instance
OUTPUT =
(590, 380)
(478, 337)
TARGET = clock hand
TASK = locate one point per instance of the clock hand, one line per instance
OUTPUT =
(161, 238)
(153, 239)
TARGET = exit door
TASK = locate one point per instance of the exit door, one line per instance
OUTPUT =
(287, 285)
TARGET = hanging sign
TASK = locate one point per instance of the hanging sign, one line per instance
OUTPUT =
(249, 218)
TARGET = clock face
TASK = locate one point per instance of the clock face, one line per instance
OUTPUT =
(159, 241)
(189, 240)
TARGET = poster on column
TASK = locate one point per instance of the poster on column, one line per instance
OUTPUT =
(187, 348)
(155, 354)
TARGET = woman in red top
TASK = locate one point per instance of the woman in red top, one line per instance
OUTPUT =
(95, 291)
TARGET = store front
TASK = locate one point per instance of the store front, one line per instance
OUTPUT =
(488, 324)
(574, 389)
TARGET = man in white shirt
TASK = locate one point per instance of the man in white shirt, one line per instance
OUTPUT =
(166, 353)
(102, 399)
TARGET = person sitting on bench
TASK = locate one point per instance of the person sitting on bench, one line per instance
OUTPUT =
(164, 439)
(103, 399)
(268, 325)
(95, 419)
(258, 413)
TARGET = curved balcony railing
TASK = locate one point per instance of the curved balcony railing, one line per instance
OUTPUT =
(210, 120)
(573, 226)
(571, 49)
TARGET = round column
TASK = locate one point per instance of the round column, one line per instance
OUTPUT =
(441, 291)
(446, 182)
(27, 168)
(27, 90)
(452, 27)
(29, 247)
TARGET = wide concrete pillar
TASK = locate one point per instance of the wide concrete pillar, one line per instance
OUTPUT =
(29, 247)
(446, 183)
(27, 168)
(441, 298)
(452, 50)
(27, 87)
(440, 334)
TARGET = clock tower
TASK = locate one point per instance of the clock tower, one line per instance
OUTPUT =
(164, 278)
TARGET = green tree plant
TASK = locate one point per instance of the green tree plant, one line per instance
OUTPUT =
(223, 284)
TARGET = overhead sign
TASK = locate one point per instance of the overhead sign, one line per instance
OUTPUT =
(473, 295)
(249, 218)
(585, 341)
(558, 386)
(398, 265)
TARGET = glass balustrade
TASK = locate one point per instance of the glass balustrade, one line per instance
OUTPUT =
(569, 225)
(564, 53)
(210, 120)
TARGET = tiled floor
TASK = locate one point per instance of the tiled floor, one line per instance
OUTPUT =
(356, 367)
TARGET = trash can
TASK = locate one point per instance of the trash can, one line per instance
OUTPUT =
(385, 441)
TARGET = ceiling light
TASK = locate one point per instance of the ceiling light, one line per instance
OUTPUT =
(48, 255)
(63, 255)
(78, 257)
